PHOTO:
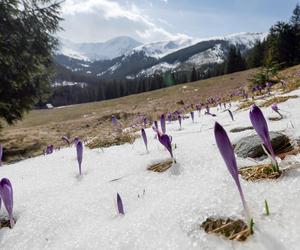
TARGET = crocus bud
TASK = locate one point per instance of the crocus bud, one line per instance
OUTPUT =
(144, 136)
(192, 115)
(165, 141)
(228, 156)
(120, 205)
(79, 150)
(6, 194)
(163, 123)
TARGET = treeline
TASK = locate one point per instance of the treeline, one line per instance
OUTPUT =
(282, 45)
(98, 90)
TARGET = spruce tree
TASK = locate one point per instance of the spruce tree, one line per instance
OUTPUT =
(26, 47)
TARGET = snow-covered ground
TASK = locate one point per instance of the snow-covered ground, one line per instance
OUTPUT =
(55, 209)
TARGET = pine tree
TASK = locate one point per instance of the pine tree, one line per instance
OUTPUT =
(26, 46)
(295, 22)
(234, 62)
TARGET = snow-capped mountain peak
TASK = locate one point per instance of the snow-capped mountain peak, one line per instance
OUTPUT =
(162, 48)
(108, 50)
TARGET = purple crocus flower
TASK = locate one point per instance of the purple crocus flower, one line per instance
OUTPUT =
(166, 141)
(231, 115)
(276, 109)
(1, 154)
(261, 127)
(66, 139)
(156, 124)
(144, 138)
(76, 140)
(145, 122)
(49, 149)
(114, 121)
(192, 115)
(79, 150)
(179, 120)
(169, 117)
(163, 123)
(6, 194)
(228, 156)
(120, 205)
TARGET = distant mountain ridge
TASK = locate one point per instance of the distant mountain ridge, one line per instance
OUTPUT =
(97, 51)
(159, 57)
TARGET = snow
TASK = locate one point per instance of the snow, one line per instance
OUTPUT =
(213, 55)
(98, 51)
(162, 48)
(56, 209)
(158, 68)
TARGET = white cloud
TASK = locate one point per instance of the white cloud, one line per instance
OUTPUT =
(143, 26)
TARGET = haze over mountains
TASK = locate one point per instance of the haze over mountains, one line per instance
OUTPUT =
(124, 57)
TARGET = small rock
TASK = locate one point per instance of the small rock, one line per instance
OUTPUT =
(250, 146)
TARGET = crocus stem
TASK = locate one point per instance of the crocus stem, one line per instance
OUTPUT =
(251, 225)
(267, 208)
(274, 163)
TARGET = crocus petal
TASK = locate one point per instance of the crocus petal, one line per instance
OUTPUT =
(66, 139)
(261, 127)
(231, 115)
(179, 120)
(228, 156)
(163, 123)
(79, 150)
(6, 194)
(192, 116)
(144, 138)
(120, 204)
(275, 107)
(156, 124)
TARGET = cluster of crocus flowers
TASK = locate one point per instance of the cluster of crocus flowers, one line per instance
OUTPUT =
(79, 150)
(227, 153)
(261, 127)
(276, 109)
(6, 195)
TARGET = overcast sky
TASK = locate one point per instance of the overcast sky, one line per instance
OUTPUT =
(153, 20)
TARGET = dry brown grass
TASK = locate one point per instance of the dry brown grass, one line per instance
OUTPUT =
(261, 172)
(277, 99)
(229, 228)
(161, 166)
(115, 139)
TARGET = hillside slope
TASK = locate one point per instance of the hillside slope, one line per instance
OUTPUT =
(42, 127)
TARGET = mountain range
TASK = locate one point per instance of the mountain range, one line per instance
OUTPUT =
(124, 57)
